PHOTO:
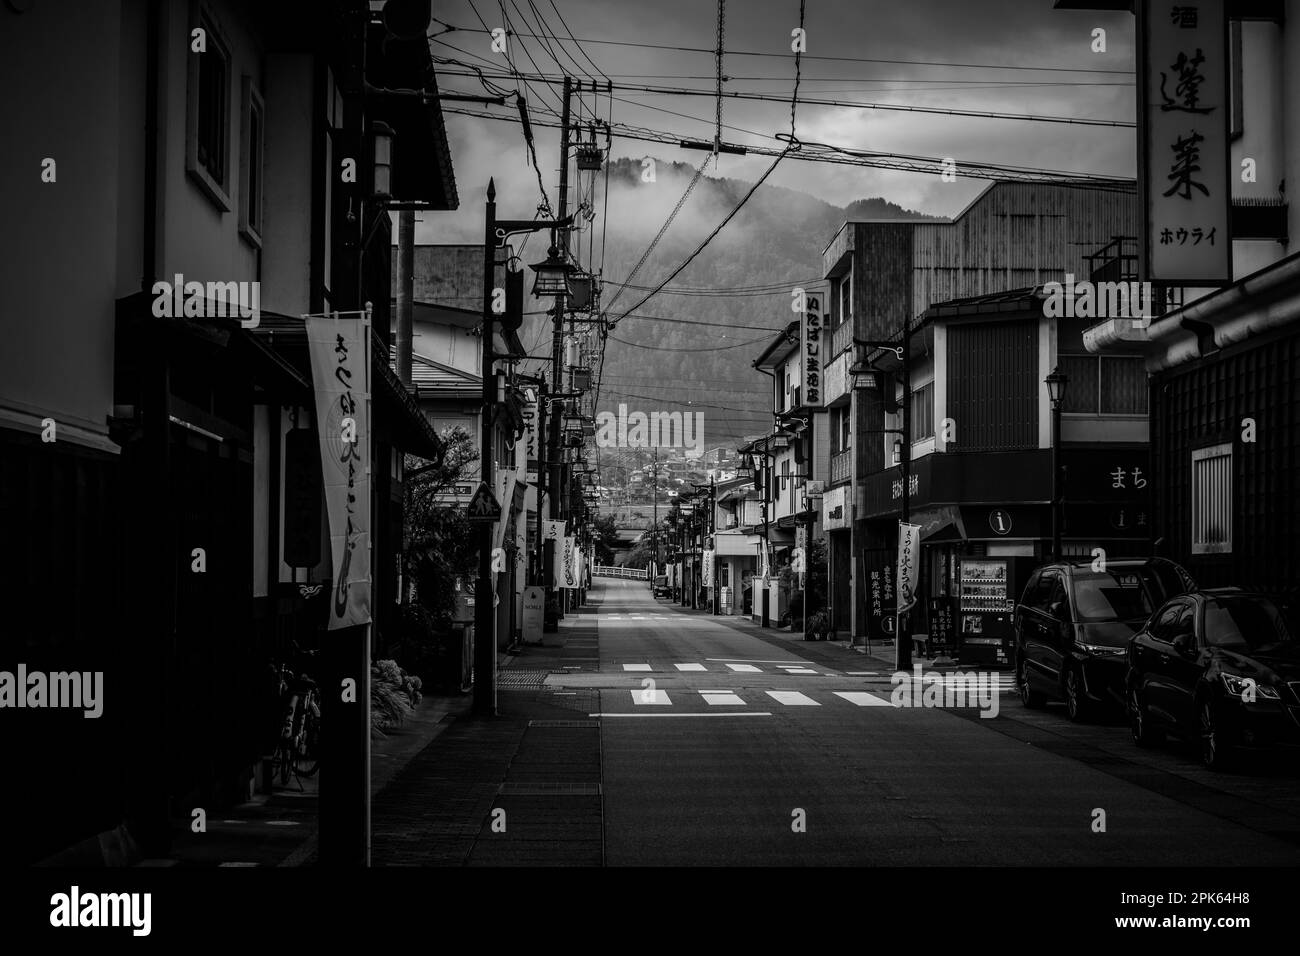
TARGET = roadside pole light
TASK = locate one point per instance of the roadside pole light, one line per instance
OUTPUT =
(495, 234)
(1056, 382)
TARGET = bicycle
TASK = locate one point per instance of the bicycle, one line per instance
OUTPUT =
(298, 750)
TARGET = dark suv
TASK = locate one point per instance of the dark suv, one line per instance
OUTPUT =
(1073, 624)
(1221, 667)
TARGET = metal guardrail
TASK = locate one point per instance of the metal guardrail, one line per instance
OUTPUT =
(606, 571)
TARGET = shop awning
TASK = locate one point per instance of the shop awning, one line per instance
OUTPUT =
(940, 524)
(286, 337)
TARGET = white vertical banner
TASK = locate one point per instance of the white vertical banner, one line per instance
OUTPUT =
(707, 577)
(554, 530)
(810, 352)
(566, 571)
(341, 380)
(909, 564)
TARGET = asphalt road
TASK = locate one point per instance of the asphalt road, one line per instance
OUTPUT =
(721, 747)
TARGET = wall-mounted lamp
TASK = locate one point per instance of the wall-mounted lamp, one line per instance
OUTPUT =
(382, 136)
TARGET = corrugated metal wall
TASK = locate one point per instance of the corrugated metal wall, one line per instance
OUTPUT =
(993, 385)
(1205, 405)
(882, 293)
(1016, 235)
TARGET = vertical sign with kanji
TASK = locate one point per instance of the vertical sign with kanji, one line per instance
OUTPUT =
(810, 357)
(909, 564)
(879, 566)
(1183, 123)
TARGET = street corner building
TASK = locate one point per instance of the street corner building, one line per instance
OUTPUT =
(161, 472)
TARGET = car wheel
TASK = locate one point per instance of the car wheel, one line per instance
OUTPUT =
(1076, 703)
(1145, 734)
(1028, 697)
(1217, 751)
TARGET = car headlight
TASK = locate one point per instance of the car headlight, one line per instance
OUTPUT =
(1247, 687)
(1101, 650)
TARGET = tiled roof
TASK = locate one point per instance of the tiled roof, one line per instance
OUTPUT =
(428, 375)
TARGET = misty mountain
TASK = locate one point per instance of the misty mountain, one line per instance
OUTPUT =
(773, 244)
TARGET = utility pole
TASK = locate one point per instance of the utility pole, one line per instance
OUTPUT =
(539, 565)
(654, 525)
(713, 535)
(902, 624)
(561, 240)
(485, 649)
(344, 808)
(903, 628)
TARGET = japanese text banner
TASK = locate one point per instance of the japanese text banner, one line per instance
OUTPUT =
(339, 378)
(1184, 118)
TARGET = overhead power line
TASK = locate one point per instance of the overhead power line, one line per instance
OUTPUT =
(850, 59)
(851, 104)
(822, 153)
(693, 348)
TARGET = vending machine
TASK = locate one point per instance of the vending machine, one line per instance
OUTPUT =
(986, 604)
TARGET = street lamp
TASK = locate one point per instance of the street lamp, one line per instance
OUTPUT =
(1056, 383)
(902, 353)
(496, 232)
(552, 275)
(382, 135)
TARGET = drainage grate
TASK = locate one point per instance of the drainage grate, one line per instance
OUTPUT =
(549, 789)
(564, 723)
(522, 677)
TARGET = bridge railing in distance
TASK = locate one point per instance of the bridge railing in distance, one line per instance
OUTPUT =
(608, 571)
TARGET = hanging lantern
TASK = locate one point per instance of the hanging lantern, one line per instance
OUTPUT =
(552, 275)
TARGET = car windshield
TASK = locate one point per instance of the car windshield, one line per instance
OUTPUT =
(1115, 595)
(1245, 624)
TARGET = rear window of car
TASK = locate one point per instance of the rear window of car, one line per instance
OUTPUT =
(1118, 595)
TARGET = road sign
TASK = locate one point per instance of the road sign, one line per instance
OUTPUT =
(484, 505)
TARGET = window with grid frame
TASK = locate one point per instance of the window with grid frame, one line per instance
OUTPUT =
(846, 296)
(253, 128)
(1212, 500)
(923, 412)
(1104, 384)
(207, 147)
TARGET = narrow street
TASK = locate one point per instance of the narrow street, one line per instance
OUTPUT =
(712, 737)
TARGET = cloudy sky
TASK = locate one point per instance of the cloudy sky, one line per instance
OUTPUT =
(996, 42)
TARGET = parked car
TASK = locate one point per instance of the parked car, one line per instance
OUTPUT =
(1073, 624)
(1220, 666)
(661, 588)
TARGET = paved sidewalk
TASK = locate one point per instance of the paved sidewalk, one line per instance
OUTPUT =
(280, 828)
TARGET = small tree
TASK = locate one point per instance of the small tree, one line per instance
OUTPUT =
(438, 542)
(604, 533)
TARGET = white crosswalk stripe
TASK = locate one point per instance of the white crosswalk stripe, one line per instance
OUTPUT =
(651, 696)
(862, 698)
(690, 667)
(745, 668)
(792, 698)
(718, 698)
(636, 667)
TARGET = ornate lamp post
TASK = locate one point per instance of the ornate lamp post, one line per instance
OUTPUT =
(1056, 383)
